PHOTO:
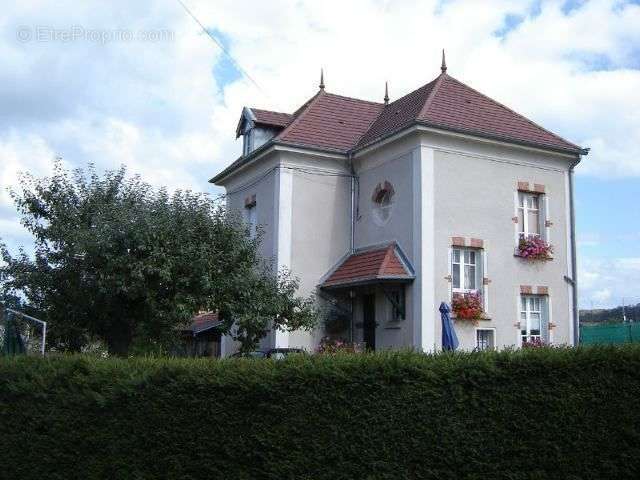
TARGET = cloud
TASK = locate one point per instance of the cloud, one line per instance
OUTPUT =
(605, 282)
(167, 108)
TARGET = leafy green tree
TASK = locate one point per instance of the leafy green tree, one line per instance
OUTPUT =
(120, 261)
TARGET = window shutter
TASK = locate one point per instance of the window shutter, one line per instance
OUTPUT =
(479, 270)
(542, 216)
(450, 273)
(544, 320)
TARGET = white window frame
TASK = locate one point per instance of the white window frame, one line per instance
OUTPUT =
(526, 315)
(461, 264)
(524, 231)
(487, 329)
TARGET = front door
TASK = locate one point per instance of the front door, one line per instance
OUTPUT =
(369, 321)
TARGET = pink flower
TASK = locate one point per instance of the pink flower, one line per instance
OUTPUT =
(534, 248)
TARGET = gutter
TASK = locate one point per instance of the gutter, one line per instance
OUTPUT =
(496, 138)
(266, 148)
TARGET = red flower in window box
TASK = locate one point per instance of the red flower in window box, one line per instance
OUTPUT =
(467, 306)
(534, 249)
(533, 343)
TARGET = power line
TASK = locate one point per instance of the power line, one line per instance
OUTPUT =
(221, 47)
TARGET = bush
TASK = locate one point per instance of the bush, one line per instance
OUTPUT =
(541, 413)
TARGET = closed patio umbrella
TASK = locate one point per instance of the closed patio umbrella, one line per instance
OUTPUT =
(449, 337)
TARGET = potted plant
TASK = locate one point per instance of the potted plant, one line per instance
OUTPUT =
(467, 306)
(534, 249)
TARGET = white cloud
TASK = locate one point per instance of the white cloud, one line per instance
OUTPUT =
(157, 107)
(605, 282)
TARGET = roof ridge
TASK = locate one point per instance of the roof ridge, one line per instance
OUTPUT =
(386, 259)
(515, 113)
(432, 95)
(270, 111)
(391, 107)
(300, 113)
(353, 98)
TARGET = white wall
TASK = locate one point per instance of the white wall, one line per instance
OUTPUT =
(475, 187)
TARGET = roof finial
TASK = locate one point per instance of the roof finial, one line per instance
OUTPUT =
(321, 79)
(443, 67)
(386, 93)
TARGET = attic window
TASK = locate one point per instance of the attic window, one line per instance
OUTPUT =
(382, 199)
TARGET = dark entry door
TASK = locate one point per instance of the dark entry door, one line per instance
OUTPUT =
(369, 321)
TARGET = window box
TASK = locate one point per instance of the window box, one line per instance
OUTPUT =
(467, 306)
(534, 249)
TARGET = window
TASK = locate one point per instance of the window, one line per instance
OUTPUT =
(465, 270)
(382, 202)
(534, 323)
(251, 215)
(396, 300)
(485, 339)
(529, 214)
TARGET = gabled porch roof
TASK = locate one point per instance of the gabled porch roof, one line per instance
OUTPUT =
(376, 264)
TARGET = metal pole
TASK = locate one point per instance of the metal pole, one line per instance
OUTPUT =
(44, 336)
(42, 322)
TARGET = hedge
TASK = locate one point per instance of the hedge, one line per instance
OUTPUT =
(547, 413)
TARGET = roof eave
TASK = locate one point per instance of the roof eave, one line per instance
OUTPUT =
(575, 149)
(243, 161)
(405, 129)
(368, 281)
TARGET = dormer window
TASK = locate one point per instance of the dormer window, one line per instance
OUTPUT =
(257, 127)
(247, 143)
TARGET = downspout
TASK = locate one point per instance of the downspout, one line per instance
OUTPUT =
(574, 266)
(352, 246)
(352, 240)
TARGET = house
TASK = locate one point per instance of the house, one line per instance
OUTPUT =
(388, 209)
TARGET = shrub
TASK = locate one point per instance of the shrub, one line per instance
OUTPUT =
(531, 414)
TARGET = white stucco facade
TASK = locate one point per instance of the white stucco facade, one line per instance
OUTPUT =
(446, 186)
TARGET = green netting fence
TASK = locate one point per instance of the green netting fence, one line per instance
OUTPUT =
(610, 334)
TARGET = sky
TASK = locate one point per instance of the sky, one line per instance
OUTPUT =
(141, 84)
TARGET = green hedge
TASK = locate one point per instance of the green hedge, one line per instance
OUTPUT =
(534, 414)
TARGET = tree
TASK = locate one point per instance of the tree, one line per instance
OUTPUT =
(267, 302)
(120, 261)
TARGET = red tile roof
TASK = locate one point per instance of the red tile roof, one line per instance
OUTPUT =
(374, 264)
(343, 124)
(398, 114)
(334, 122)
(268, 117)
(457, 106)
(331, 122)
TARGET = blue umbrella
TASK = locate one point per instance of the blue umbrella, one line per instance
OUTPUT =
(449, 337)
